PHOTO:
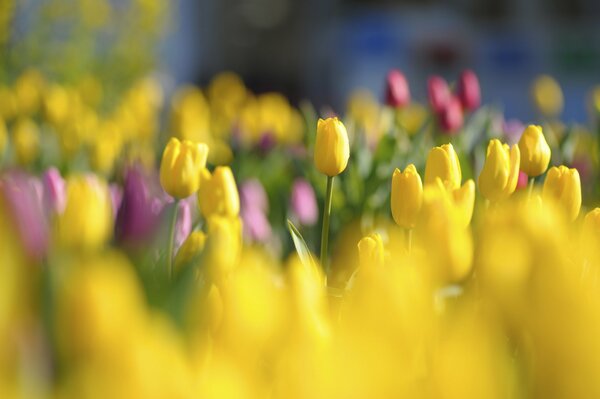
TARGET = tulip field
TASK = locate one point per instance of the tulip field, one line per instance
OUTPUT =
(193, 241)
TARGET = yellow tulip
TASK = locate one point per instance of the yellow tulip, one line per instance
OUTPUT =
(564, 186)
(370, 251)
(332, 148)
(223, 246)
(443, 162)
(535, 152)
(3, 137)
(28, 91)
(87, 221)
(547, 95)
(190, 248)
(464, 202)
(218, 194)
(443, 229)
(26, 139)
(500, 173)
(57, 104)
(180, 167)
(406, 197)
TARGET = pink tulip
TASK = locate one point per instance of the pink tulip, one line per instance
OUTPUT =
(397, 92)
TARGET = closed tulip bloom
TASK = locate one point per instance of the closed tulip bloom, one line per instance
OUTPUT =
(451, 116)
(406, 197)
(438, 92)
(218, 194)
(370, 251)
(469, 91)
(191, 248)
(535, 152)
(223, 245)
(547, 95)
(180, 167)
(464, 202)
(443, 162)
(26, 140)
(397, 92)
(332, 148)
(563, 186)
(86, 222)
(54, 191)
(500, 173)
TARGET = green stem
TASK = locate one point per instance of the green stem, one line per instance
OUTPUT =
(172, 239)
(409, 240)
(325, 230)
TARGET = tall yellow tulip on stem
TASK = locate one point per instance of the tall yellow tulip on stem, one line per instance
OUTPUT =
(406, 199)
(332, 150)
(535, 153)
(180, 168)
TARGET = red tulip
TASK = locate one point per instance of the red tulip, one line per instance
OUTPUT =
(397, 92)
(451, 116)
(469, 91)
(439, 93)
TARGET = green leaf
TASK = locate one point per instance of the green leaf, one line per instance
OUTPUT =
(300, 245)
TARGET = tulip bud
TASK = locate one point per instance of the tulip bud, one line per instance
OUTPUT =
(547, 96)
(451, 116)
(439, 93)
(522, 180)
(469, 91)
(464, 202)
(564, 186)
(397, 92)
(370, 251)
(3, 137)
(26, 139)
(332, 148)
(500, 173)
(218, 194)
(191, 247)
(443, 162)
(535, 152)
(87, 221)
(223, 245)
(406, 197)
(180, 167)
(54, 191)
(304, 203)
(442, 229)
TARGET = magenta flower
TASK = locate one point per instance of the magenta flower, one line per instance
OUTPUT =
(397, 92)
(54, 191)
(23, 197)
(469, 91)
(304, 202)
(254, 206)
(451, 116)
(438, 92)
(141, 207)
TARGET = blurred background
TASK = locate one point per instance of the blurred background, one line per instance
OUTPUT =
(323, 49)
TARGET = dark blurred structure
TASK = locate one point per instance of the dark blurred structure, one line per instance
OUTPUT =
(321, 50)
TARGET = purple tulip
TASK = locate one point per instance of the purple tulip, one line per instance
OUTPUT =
(254, 206)
(140, 210)
(253, 195)
(23, 198)
(513, 128)
(55, 196)
(256, 225)
(304, 203)
(116, 197)
(183, 225)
